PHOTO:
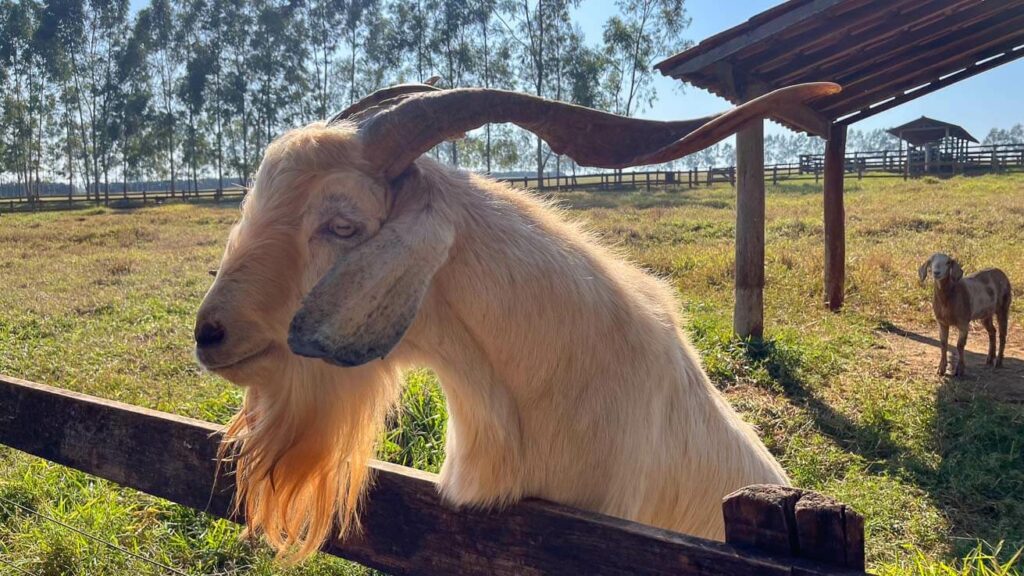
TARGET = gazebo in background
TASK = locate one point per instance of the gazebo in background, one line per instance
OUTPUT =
(943, 146)
(883, 52)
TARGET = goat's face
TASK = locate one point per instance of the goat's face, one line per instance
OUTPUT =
(297, 223)
(941, 268)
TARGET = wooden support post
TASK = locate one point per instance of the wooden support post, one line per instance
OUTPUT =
(748, 312)
(835, 218)
(793, 522)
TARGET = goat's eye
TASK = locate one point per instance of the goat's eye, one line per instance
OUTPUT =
(341, 228)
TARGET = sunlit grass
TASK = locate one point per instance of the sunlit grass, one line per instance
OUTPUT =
(102, 301)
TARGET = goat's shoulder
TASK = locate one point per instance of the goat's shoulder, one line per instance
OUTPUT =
(993, 277)
(987, 288)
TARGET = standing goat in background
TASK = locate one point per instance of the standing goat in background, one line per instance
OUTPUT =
(565, 371)
(957, 300)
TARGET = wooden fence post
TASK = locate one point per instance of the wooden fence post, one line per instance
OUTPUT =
(793, 522)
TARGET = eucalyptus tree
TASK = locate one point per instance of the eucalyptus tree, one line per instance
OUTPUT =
(494, 66)
(214, 26)
(59, 36)
(134, 96)
(410, 30)
(16, 71)
(159, 20)
(357, 17)
(642, 33)
(276, 68)
(581, 70)
(192, 92)
(535, 26)
(104, 23)
(450, 40)
(238, 63)
(323, 19)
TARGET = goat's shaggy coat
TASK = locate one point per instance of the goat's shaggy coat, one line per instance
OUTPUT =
(565, 370)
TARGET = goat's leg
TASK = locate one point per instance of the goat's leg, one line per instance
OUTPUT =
(943, 347)
(990, 327)
(1004, 321)
(961, 343)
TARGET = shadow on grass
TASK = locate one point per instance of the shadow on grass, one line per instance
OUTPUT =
(978, 480)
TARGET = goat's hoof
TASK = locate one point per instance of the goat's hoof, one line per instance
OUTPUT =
(988, 362)
(999, 363)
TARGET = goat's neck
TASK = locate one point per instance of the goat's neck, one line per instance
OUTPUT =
(557, 361)
(947, 298)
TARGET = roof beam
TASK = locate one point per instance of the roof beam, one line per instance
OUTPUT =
(815, 58)
(680, 64)
(972, 70)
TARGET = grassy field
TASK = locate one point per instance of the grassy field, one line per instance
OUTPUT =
(102, 301)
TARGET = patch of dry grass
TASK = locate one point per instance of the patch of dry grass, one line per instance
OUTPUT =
(102, 301)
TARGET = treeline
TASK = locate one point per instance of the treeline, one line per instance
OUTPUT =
(95, 97)
(93, 94)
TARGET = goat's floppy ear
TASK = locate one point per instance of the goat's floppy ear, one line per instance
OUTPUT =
(363, 306)
(957, 271)
(922, 272)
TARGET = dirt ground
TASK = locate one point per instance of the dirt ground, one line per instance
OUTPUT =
(916, 348)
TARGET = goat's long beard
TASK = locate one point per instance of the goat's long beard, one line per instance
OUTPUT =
(301, 447)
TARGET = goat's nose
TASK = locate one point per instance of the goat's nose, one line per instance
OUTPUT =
(209, 334)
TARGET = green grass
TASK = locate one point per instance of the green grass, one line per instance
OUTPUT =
(102, 301)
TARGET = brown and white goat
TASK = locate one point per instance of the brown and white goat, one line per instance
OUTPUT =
(565, 370)
(957, 301)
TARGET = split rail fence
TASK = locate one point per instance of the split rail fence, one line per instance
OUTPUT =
(407, 529)
(869, 164)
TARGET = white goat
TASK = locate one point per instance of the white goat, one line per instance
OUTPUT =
(566, 373)
(957, 300)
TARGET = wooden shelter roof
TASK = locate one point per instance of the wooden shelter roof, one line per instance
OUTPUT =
(883, 53)
(925, 130)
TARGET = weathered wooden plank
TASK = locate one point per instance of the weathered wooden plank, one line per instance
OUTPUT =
(748, 310)
(823, 37)
(407, 528)
(943, 56)
(161, 454)
(835, 218)
(902, 33)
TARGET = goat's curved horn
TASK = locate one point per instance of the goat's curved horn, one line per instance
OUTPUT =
(367, 102)
(412, 122)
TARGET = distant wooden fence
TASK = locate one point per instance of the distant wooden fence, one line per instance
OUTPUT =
(407, 529)
(870, 164)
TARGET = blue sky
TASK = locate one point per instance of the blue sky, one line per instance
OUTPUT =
(991, 99)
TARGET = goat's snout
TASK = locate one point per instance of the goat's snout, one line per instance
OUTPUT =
(209, 333)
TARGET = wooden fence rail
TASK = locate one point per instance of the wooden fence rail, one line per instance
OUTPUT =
(407, 529)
